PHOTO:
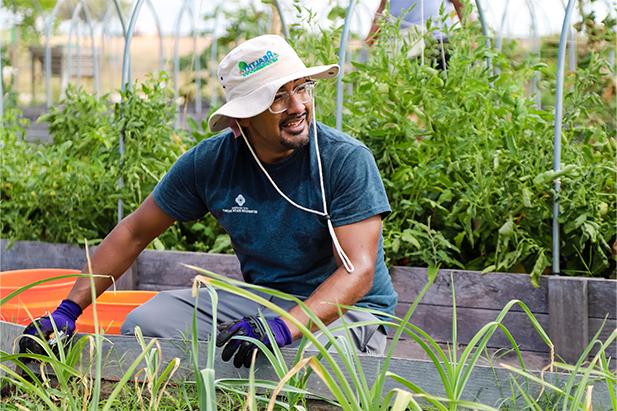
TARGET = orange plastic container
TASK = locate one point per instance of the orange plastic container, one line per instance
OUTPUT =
(112, 309)
(35, 301)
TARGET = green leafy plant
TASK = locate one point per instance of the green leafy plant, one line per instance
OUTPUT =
(68, 190)
(335, 362)
(346, 379)
(466, 156)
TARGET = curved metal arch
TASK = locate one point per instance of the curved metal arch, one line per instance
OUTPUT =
(1, 91)
(557, 135)
(107, 18)
(125, 84)
(572, 40)
(126, 56)
(487, 40)
(214, 58)
(535, 88)
(159, 30)
(502, 23)
(186, 6)
(82, 5)
(66, 72)
(105, 25)
(538, 5)
(279, 9)
(157, 23)
(341, 61)
(47, 60)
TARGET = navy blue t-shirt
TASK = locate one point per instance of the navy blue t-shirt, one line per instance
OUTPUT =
(278, 245)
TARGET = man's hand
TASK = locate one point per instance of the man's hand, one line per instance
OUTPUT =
(250, 327)
(64, 318)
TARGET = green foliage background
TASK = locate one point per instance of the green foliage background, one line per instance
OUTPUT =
(465, 155)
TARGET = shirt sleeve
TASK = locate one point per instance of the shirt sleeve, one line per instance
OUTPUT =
(358, 192)
(177, 192)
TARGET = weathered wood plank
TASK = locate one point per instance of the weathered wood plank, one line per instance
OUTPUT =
(568, 316)
(602, 298)
(493, 357)
(609, 327)
(34, 254)
(128, 280)
(486, 385)
(165, 268)
(473, 289)
(437, 322)
(156, 270)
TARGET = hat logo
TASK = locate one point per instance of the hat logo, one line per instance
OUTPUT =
(246, 69)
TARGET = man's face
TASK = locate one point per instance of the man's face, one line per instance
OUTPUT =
(275, 136)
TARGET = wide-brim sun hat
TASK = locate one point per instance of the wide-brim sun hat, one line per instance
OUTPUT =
(253, 72)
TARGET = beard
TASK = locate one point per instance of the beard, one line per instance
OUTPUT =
(295, 142)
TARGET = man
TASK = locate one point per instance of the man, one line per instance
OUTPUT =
(414, 14)
(302, 204)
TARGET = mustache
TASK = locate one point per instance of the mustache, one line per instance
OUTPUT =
(293, 118)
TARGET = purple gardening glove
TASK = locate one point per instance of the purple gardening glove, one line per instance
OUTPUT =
(64, 318)
(250, 327)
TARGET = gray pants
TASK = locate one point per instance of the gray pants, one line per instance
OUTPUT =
(170, 314)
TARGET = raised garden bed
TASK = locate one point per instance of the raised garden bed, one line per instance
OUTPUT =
(571, 309)
(487, 385)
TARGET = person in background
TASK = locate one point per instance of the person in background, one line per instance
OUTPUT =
(414, 14)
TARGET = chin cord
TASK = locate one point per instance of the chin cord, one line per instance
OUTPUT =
(344, 259)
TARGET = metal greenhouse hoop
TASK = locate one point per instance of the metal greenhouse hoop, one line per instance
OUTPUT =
(81, 6)
(487, 40)
(571, 40)
(118, 12)
(188, 7)
(159, 30)
(341, 62)
(535, 83)
(125, 84)
(47, 63)
(279, 9)
(105, 27)
(535, 91)
(1, 90)
(557, 137)
(214, 57)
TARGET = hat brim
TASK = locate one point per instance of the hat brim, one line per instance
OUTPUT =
(260, 99)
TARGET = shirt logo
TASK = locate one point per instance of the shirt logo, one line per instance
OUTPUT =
(246, 69)
(240, 208)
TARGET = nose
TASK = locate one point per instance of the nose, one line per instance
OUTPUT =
(295, 106)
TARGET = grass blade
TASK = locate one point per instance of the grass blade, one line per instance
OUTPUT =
(403, 399)
(126, 377)
(207, 376)
(299, 365)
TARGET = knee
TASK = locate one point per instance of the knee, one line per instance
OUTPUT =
(164, 315)
(145, 317)
(133, 319)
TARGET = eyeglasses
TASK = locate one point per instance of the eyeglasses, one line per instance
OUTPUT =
(303, 92)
